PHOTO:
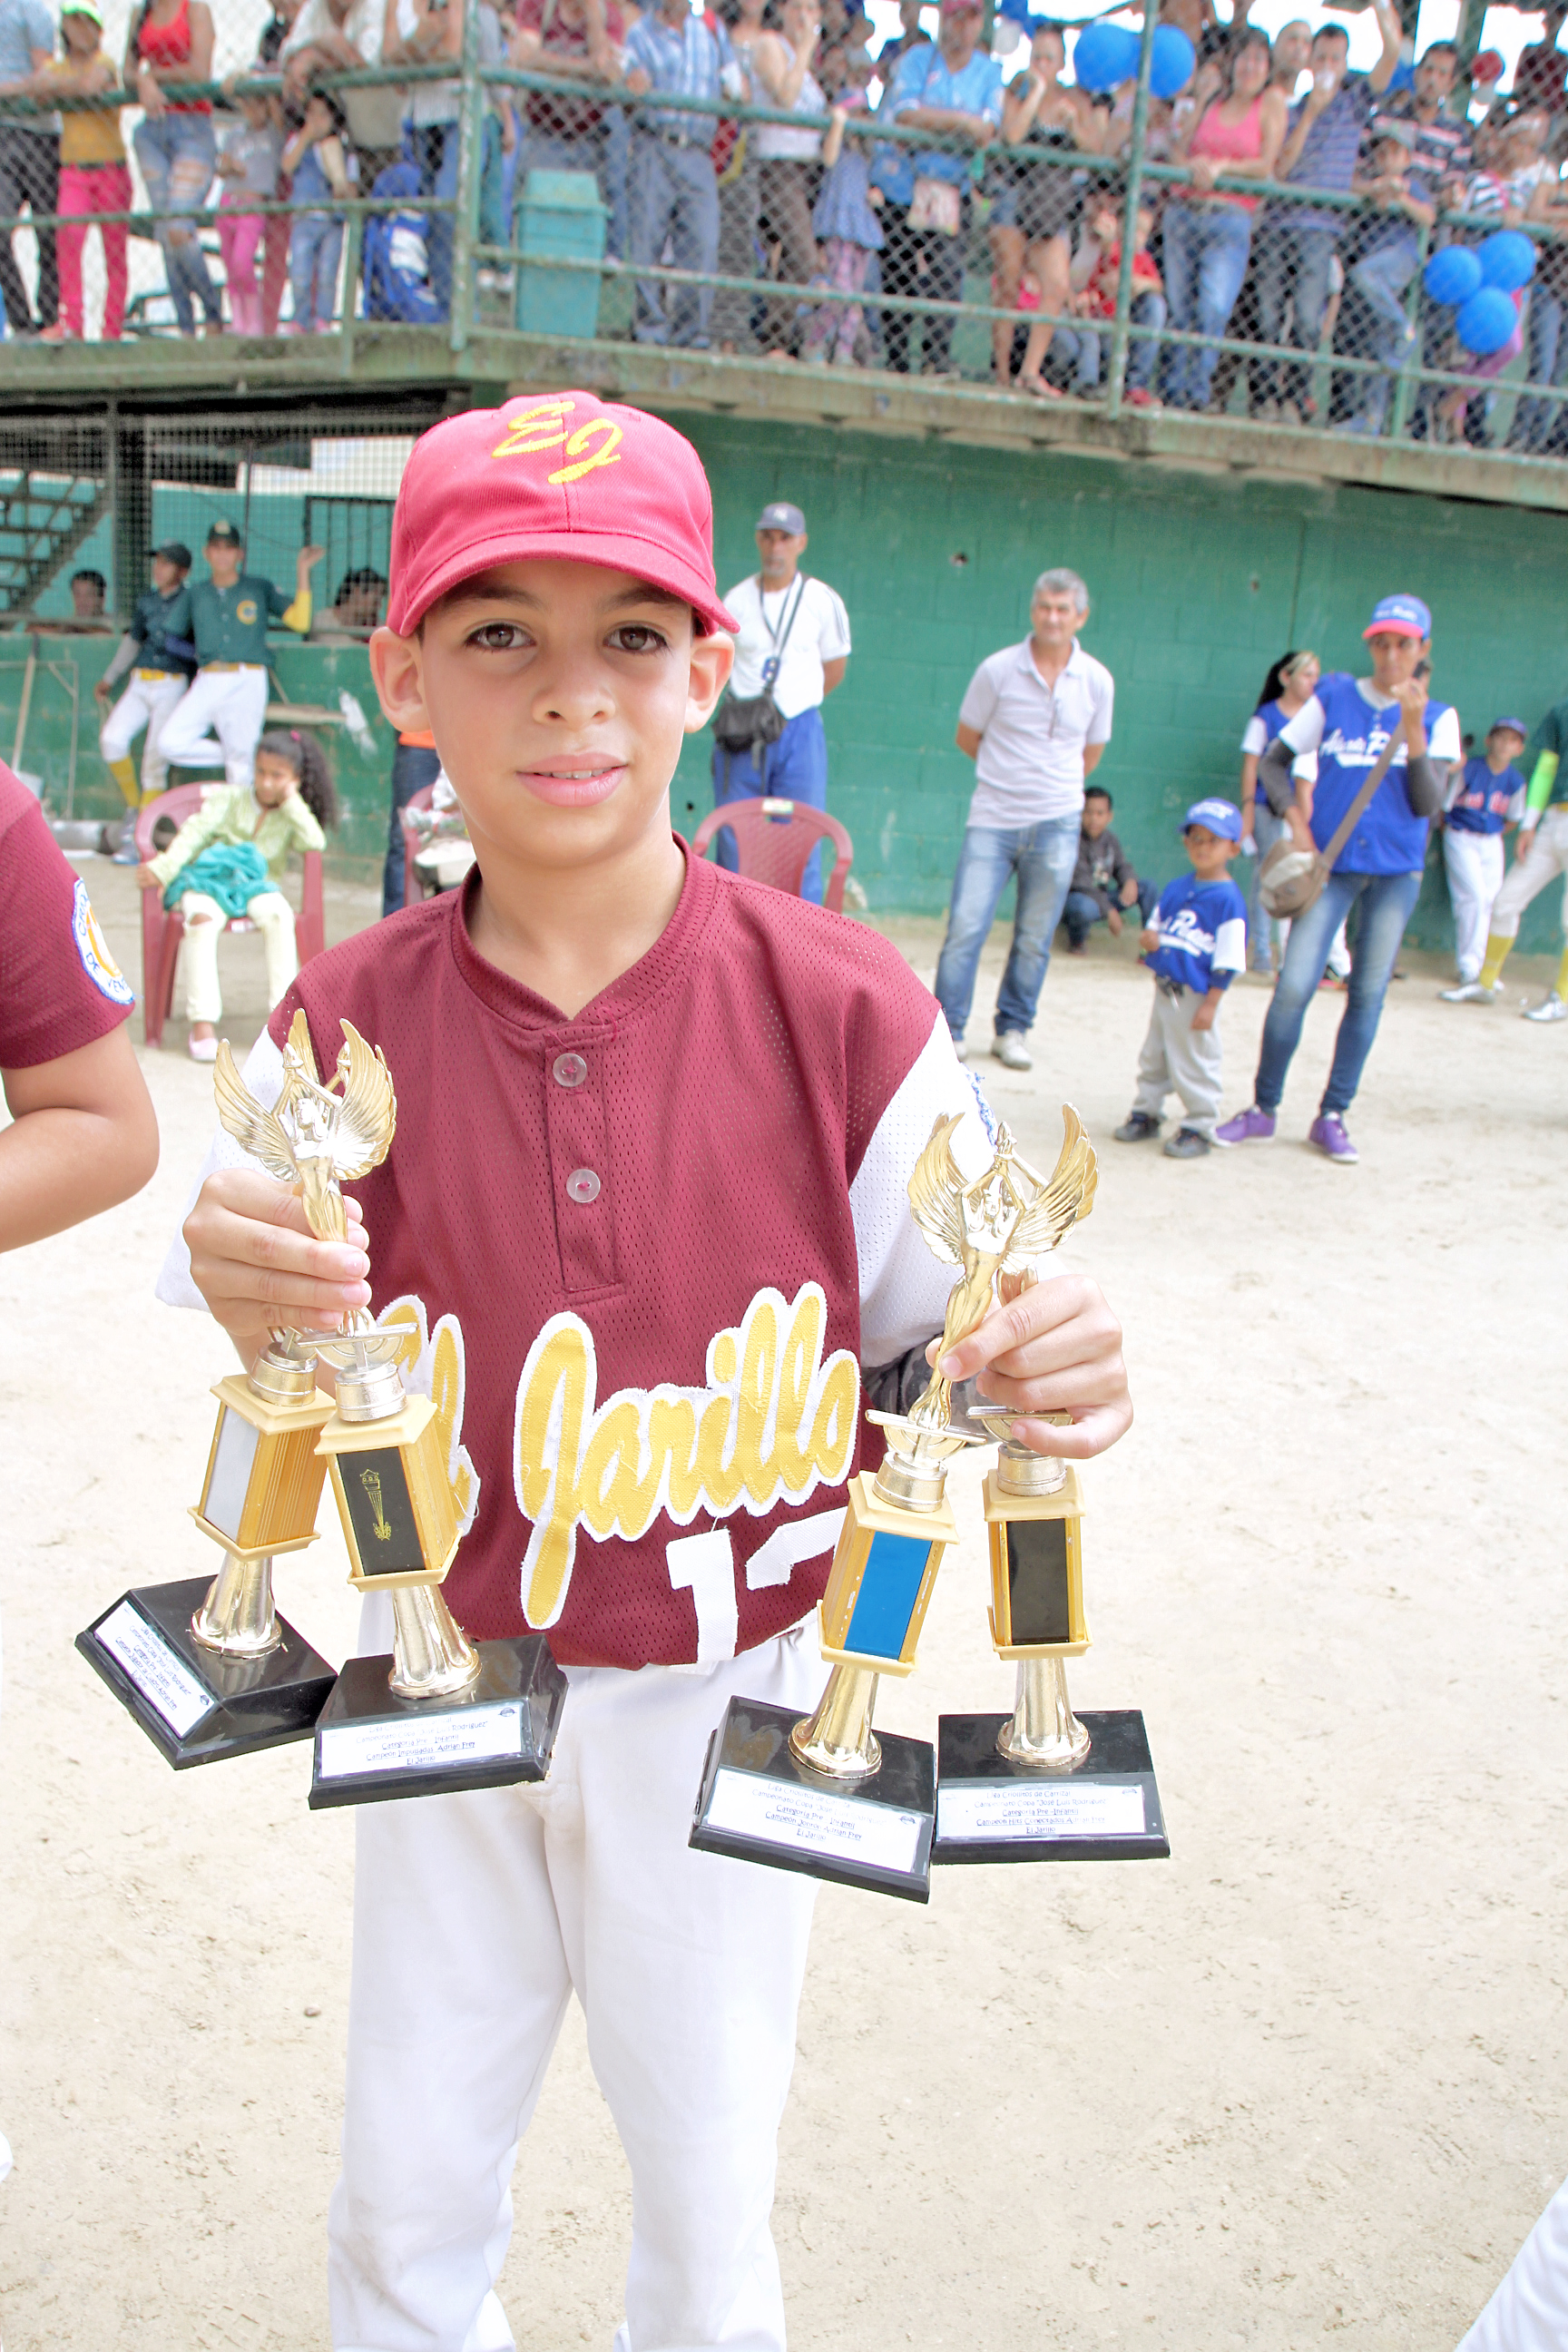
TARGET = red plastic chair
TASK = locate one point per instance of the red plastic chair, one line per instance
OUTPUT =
(162, 928)
(775, 839)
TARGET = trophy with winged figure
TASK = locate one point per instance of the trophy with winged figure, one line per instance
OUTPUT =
(843, 1802)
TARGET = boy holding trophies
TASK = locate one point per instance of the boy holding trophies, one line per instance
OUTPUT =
(655, 1125)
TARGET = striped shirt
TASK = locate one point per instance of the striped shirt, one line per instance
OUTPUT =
(687, 64)
(1328, 157)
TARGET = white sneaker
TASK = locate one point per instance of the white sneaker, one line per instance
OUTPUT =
(960, 1049)
(1469, 991)
(1011, 1051)
(201, 1049)
(1550, 1008)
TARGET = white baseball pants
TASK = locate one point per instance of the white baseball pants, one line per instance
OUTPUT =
(1529, 2313)
(1176, 1060)
(476, 1918)
(274, 918)
(1528, 877)
(146, 702)
(232, 703)
(1474, 863)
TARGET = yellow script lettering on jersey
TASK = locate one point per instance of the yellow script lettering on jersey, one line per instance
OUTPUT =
(773, 1423)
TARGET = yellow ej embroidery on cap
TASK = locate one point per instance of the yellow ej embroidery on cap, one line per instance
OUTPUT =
(603, 455)
(534, 419)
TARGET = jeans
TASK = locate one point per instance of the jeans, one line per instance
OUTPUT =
(1087, 342)
(315, 250)
(1380, 278)
(674, 196)
(1293, 266)
(413, 765)
(30, 179)
(86, 190)
(1535, 417)
(1082, 911)
(1043, 856)
(1386, 902)
(792, 769)
(178, 155)
(1206, 249)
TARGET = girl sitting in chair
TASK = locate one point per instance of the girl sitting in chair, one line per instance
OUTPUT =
(228, 859)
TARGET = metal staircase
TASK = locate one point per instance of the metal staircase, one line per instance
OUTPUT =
(46, 513)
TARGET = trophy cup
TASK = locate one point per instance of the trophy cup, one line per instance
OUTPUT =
(441, 1712)
(1041, 1784)
(826, 1795)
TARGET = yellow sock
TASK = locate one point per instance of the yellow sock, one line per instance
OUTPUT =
(151, 793)
(1497, 956)
(1563, 977)
(124, 774)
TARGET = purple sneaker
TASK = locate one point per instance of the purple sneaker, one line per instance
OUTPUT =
(1252, 1126)
(1328, 1132)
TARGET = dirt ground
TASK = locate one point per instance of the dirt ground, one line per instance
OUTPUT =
(1307, 2079)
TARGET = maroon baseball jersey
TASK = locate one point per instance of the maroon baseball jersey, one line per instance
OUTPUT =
(637, 1253)
(59, 986)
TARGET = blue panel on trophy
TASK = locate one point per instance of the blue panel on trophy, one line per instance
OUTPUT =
(889, 1587)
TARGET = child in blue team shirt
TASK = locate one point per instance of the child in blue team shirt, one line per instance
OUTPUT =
(1484, 802)
(1195, 940)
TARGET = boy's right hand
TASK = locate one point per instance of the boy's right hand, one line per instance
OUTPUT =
(257, 1264)
(146, 879)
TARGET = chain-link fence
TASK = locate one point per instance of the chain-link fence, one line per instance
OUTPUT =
(1047, 245)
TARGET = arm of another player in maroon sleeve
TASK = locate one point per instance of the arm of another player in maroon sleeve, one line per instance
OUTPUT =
(84, 1137)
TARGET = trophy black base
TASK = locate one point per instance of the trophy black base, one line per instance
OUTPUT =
(194, 1707)
(990, 1809)
(372, 1745)
(758, 1803)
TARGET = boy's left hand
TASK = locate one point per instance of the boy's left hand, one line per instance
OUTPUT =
(1054, 1346)
(1203, 1018)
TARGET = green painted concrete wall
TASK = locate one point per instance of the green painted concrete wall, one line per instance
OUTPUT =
(1198, 582)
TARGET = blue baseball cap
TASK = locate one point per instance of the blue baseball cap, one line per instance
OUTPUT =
(1220, 816)
(1399, 617)
(1517, 725)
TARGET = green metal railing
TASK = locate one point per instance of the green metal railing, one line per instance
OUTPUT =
(485, 271)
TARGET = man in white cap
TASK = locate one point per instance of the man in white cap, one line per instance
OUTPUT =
(792, 651)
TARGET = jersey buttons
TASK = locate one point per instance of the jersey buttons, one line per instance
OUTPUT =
(570, 1070)
(582, 1185)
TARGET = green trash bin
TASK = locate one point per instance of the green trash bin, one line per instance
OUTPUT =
(560, 220)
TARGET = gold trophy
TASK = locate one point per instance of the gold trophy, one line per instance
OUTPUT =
(1042, 1784)
(441, 1712)
(826, 1795)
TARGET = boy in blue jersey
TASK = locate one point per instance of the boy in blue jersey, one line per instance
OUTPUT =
(1196, 940)
(1484, 804)
(1349, 722)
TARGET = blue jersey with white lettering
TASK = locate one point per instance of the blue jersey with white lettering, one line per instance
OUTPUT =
(1348, 730)
(1202, 932)
(1485, 803)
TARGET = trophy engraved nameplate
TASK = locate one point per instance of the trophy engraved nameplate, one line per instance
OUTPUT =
(440, 1712)
(1042, 1784)
(209, 1668)
(895, 1527)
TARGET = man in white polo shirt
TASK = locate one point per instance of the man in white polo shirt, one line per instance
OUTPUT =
(1034, 721)
(794, 645)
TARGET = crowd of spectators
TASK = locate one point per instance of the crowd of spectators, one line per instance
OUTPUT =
(1027, 169)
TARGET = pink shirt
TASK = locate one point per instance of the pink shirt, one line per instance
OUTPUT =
(1236, 142)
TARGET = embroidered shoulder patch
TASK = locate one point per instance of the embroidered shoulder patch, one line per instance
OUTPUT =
(93, 948)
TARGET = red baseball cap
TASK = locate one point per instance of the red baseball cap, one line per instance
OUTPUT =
(555, 474)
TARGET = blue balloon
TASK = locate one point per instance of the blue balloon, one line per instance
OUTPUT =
(1507, 259)
(1453, 274)
(1173, 60)
(1486, 320)
(1105, 55)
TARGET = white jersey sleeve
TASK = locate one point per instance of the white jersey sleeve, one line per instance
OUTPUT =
(833, 631)
(1305, 731)
(263, 1074)
(1445, 742)
(1229, 945)
(1256, 738)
